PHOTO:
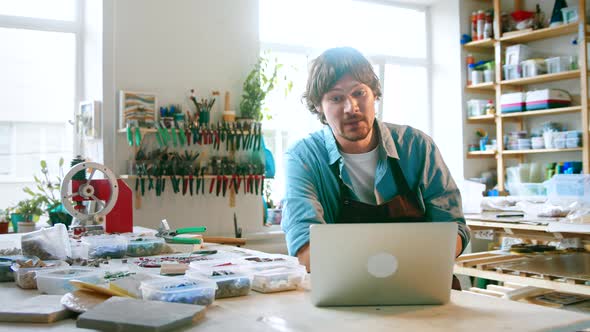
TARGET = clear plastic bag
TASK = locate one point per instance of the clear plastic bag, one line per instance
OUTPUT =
(47, 243)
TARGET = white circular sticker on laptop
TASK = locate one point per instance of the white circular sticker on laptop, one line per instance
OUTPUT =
(382, 265)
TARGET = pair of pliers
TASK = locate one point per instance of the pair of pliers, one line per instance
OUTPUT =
(172, 236)
(130, 135)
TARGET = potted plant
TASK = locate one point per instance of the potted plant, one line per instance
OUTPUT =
(261, 80)
(4, 220)
(26, 212)
(49, 193)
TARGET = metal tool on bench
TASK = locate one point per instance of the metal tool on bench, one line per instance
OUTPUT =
(174, 236)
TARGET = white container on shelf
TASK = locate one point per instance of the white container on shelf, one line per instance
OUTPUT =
(512, 72)
(570, 14)
(533, 67)
(476, 107)
(517, 53)
(558, 64)
(573, 142)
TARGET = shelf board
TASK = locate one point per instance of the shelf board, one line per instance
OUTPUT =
(543, 78)
(481, 154)
(141, 130)
(561, 110)
(509, 152)
(489, 86)
(544, 33)
(479, 45)
(481, 118)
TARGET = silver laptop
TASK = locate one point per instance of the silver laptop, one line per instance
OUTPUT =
(382, 264)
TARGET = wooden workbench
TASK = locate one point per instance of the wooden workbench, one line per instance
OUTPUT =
(293, 311)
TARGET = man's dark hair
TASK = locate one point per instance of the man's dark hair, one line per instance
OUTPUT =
(329, 67)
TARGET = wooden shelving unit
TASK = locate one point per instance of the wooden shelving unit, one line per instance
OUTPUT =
(498, 44)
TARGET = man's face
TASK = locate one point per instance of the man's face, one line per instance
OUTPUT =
(349, 109)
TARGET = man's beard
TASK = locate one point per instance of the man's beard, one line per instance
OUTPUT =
(357, 134)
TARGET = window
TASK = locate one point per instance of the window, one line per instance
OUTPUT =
(38, 89)
(392, 36)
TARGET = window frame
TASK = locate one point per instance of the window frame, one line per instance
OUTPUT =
(74, 27)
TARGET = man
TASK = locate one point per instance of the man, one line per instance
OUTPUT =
(358, 169)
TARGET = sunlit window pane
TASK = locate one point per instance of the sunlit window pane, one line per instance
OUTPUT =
(38, 75)
(64, 10)
(372, 28)
(389, 30)
(405, 96)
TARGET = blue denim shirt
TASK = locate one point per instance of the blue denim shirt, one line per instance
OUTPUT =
(312, 193)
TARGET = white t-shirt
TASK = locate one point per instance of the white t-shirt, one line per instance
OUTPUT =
(361, 169)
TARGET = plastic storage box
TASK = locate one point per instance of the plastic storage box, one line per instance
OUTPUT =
(26, 278)
(476, 107)
(513, 102)
(231, 282)
(180, 290)
(574, 142)
(527, 189)
(533, 67)
(277, 278)
(547, 98)
(145, 246)
(57, 281)
(512, 72)
(6, 273)
(558, 64)
(569, 187)
(106, 246)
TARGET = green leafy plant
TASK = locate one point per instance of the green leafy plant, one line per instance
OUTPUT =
(261, 80)
(29, 208)
(48, 191)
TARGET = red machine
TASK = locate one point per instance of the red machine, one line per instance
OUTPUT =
(112, 196)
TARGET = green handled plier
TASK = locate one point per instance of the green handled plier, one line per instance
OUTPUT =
(171, 236)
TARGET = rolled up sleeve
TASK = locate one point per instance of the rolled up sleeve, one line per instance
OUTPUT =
(442, 198)
(301, 206)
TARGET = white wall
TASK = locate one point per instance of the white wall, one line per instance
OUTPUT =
(447, 118)
(169, 47)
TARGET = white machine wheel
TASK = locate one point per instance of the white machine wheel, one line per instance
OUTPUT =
(86, 190)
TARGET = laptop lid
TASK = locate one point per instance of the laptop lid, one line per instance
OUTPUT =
(382, 264)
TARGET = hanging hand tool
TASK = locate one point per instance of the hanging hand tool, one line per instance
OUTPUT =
(129, 135)
(173, 134)
(137, 136)
(163, 133)
(239, 135)
(203, 180)
(211, 185)
(174, 236)
(180, 133)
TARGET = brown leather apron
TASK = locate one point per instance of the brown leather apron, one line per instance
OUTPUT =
(404, 207)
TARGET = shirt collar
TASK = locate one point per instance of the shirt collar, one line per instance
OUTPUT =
(386, 142)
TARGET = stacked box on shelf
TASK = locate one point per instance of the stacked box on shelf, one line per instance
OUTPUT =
(513, 102)
(547, 98)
